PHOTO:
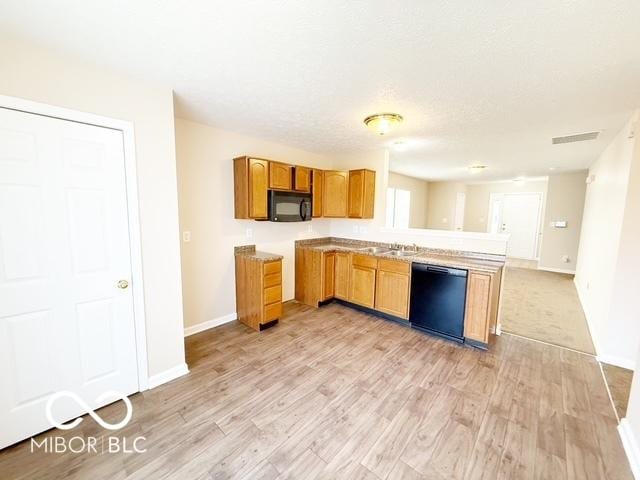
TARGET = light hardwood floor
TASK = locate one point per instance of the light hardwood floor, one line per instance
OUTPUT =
(334, 393)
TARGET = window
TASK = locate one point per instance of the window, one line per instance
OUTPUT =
(398, 206)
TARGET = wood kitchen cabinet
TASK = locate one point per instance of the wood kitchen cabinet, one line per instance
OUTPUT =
(280, 176)
(258, 291)
(362, 282)
(336, 187)
(393, 283)
(302, 179)
(251, 180)
(328, 275)
(317, 183)
(362, 187)
(481, 315)
(341, 275)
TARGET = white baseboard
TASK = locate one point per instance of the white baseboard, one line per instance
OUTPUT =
(630, 446)
(617, 361)
(201, 327)
(557, 270)
(168, 375)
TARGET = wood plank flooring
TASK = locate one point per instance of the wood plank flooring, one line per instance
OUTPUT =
(334, 393)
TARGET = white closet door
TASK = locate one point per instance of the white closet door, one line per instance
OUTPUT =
(64, 246)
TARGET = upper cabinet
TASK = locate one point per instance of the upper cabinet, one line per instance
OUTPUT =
(362, 187)
(334, 193)
(302, 179)
(251, 179)
(317, 187)
(280, 176)
(336, 187)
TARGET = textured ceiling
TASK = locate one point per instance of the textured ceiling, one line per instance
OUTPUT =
(477, 82)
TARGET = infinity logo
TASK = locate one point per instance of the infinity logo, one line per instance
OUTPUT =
(89, 410)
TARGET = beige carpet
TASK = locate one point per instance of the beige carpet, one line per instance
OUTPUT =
(544, 306)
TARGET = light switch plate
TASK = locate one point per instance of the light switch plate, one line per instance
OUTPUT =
(186, 236)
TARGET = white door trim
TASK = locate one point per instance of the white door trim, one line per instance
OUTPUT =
(127, 130)
(540, 195)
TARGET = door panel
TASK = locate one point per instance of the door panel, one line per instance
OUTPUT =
(280, 176)
(335, 193)
(258, 182)
(341, 280)
(64, 245)
(521, 220)
(392, 293)
(363, 286)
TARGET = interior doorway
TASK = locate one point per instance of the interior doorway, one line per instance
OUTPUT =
(517, 214)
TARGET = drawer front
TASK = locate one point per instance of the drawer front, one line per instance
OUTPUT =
(272, 312)
(365, 261)
(273, 267)
(272, 294)
(397, 266)
(272, 280)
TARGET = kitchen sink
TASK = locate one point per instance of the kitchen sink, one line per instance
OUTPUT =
(375, 249)
(403, 253)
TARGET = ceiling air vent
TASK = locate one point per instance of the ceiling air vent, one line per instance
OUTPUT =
(578, 137)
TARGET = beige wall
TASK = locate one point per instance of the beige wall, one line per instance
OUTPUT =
(36, 74)
(616, 186)
(565, 201)
(419, 192)
(476, 212)
(205, 177)
(441, 204)
(608, 263)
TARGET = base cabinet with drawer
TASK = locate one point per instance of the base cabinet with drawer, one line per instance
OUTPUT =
(258, 291)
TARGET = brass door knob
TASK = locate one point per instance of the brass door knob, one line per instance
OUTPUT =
(123, 284)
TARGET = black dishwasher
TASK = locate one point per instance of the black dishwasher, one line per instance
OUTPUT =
(438, 297)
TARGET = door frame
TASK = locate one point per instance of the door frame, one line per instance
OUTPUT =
(540, 195)
(131, 185)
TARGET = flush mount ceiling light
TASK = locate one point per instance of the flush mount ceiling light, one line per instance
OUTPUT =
(383, 123)
(477, 168)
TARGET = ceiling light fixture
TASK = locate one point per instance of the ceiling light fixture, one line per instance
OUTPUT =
(383, 123)
(477, 168)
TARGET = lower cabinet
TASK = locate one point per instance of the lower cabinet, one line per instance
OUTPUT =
(341, 275)
(328, 275)
(363, 286)
(481, 315)
(378, 283)
(258, 291)
(393, 284)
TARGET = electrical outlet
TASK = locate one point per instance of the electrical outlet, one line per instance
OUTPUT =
(186, 236)
(249, 232)
(566, 259)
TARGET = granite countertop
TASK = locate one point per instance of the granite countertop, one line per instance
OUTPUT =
(250, 251)
(446, 258)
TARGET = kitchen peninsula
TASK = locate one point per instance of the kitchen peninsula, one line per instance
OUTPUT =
(377, 278)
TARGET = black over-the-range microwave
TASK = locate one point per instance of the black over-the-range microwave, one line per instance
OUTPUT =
(289, 206)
